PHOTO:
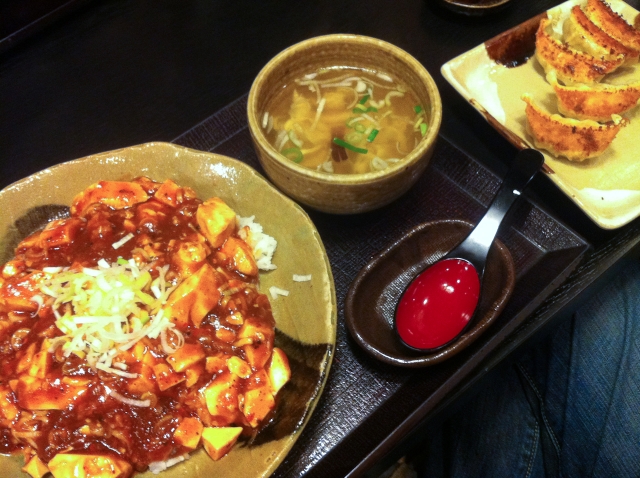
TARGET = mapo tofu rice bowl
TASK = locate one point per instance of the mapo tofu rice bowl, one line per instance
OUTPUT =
(133, 332)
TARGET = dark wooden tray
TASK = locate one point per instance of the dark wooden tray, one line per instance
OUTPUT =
(361, 390)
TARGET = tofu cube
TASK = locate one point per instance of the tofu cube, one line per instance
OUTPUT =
(193, 298)
(221, 397)
(241, 255)
(25, 361)
(8, 410)
(257, 353)
(40, 364)
(189, 257)
(238, 367)
(115, 194)
(173, 195)
(216, 363)
(188, 432)
(217, 221)
(278, 370)
(257, 404)
(37, 394)
(219, 440)
(65, 465)
(144, 382)
(35, 467)
(165, 377)
(186, 356)
(193, 373)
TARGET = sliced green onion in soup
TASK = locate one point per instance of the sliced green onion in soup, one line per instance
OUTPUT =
(344, 144)
(353, 137)
(359, 127)
(294, 154)
(378, 164)
(361, 109)
(294, 138)
(353, 120)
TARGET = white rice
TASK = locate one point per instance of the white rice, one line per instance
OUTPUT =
(262, 244)
(301, 278)
(156, 467)
(276, 291)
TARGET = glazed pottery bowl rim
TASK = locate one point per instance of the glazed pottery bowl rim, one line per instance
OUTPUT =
(209, 174)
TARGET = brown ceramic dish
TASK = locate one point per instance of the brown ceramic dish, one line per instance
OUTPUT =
(343, 193)
(305, 320)
(373, 295)
(474, 7)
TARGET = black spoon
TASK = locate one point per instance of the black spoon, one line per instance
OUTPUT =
(438, 305)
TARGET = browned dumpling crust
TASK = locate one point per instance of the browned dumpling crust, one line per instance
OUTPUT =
(575, 140)
(582, 34)
(600, 13)
(595, 42)
(571, 66)
(598, 102)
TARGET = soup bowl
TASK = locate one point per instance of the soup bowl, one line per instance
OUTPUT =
(332, 192)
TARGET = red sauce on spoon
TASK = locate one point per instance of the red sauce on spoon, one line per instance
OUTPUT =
(438, 304)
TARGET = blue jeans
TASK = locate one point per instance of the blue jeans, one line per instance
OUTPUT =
(570, 407)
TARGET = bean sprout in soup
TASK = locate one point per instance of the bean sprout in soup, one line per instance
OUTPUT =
(345, 120)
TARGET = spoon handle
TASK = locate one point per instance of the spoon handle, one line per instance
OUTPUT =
(475, 247)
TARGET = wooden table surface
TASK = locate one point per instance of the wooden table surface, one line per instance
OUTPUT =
(106, 75)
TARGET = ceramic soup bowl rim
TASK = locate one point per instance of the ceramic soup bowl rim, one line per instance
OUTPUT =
(426, 142)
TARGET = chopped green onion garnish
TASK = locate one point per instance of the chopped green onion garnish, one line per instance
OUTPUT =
(359, 127)
(122, 261)
(344, 144)
(294, 154)
(362, 109)
(423, 128)
(364, 99)
(144, 317)
(417, 109)
(372, 135)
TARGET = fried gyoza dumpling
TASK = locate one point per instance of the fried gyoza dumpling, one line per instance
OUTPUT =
(571, 66)
(600, 13)
(597, 102)
(582, 34)
(573, 139)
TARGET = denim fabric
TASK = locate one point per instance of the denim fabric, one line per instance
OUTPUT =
(568, 408)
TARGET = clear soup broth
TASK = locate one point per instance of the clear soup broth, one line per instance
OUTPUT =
(345, 120)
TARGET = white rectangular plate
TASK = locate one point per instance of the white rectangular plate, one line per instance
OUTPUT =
(606, 188)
